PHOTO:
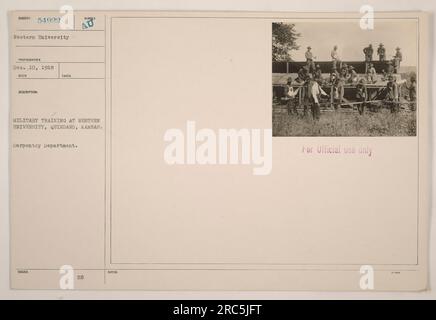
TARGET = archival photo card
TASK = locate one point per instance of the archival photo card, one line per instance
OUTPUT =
(155, 150)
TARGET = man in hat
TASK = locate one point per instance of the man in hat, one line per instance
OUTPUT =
(302, 75)
(390, 68)
(412, 93)
(291, 95)
(337, 88)
(381, 51)
(368, 51)
(314, 92)
(309, 60)
(335, 58)
(335, 73)
(344, 71)
(371, 74)
(318, 75)
(392, 94)
(398, 57)
(301, 80)
(412, 89)
(361, 95)
(352, 75)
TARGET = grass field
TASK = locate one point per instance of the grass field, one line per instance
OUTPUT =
(381, 123)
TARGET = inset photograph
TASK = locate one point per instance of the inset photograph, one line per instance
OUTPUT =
(333, 78)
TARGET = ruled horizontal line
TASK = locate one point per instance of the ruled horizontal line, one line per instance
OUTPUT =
(60, 62)
(63, 30)
(209, 269)
(44, 46)
(59, 78)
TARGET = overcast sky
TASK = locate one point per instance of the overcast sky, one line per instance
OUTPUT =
(351, 39)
